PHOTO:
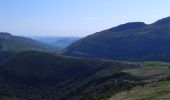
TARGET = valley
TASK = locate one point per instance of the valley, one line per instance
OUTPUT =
(127, 62)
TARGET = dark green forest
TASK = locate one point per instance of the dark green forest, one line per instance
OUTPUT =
(40, 76)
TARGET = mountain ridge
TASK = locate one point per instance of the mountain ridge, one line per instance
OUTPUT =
(14, 43)
(147, 43)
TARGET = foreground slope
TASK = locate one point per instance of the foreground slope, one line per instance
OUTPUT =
(155, 74)
(131, 41)
(44, 76)
(154, 91)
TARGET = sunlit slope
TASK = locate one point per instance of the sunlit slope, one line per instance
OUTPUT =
(154, 91)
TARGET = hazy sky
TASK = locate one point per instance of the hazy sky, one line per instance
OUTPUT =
(76, 17)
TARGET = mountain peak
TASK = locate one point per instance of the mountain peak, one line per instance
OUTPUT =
(163, 21)
(129, 26)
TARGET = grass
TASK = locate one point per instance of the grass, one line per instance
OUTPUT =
(154, 91)
(151, 72)
(157, 64)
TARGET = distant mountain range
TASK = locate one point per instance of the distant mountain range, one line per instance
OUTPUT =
(131, 41)
(60, 42)
(10, 44)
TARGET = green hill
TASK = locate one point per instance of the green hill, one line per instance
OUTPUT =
(10, 44)
(44, 76)
(13, 43)
(132, 41)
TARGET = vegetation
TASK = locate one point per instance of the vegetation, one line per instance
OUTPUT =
(157, 75)
(44, 76)
(154, 91)
(157, 64)
(28, 71)
(130, 42)
(10, 43)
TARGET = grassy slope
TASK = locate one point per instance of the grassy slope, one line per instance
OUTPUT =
(157, 63)
(154, 91)
(153, 72)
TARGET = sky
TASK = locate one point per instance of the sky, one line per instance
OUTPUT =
(76, 17)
